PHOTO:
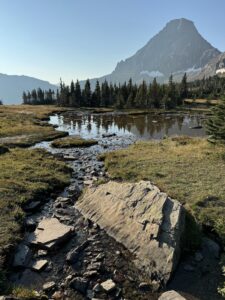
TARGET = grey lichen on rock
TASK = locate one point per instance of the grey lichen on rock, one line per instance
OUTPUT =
(146, 221)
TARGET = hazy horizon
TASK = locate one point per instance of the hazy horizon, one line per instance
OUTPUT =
(85, 39)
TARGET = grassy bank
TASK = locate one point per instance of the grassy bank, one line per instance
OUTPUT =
(188, 169)
(71, 141)
(25, 175)
(25, 125)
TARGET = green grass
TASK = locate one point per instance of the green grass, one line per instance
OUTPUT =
(25, 125)
(190, 170)
(71, 141)
(25, 175)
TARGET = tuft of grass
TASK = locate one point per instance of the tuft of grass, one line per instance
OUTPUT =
(24, 293)
(71, 141)
(25, 175)
(25, 125)
(190, 170)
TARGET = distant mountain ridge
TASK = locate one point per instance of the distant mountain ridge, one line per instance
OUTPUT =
(12, 87)
(176, 49)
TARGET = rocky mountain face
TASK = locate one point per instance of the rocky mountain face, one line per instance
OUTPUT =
(216, 66)
(176, 49)
(12, 87)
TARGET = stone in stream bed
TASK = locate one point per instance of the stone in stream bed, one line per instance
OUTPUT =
(171, 295)
(39, 265)
(108, 285)
(49, 233)
(73, 254)
(80, 284)
(146, 221)
(49, 285)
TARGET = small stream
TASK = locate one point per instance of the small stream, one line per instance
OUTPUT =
(108, 259)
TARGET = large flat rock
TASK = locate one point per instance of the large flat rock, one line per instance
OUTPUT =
(146, 221)
(49, 233)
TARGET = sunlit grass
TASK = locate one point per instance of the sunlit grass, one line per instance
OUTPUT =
(25, 175)
(25, 125)
(188, 169)
(71, 141)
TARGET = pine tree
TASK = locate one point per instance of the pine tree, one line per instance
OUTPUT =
(34, 96)
(24, 98)
(87, 93)
(141, 97)
(154, 94)
(105, 94)
(40, 96)
(78, 94)
(120, 100)
(183, 88)
(72, 96)
(96, 97)
(171, 97)
(215, 125)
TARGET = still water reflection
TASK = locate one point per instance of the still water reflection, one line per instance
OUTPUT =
(141, 126)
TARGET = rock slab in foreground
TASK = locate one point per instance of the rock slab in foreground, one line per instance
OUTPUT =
(49, 233)
(146, 221)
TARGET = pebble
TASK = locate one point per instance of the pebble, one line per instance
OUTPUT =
(49, 286)
(42, 252)
(58, 295)
(108, 285)
(39, 265)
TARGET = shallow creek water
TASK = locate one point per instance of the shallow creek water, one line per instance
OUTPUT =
(102, 254)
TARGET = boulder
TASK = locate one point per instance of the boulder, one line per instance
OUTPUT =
(171, 295)
(49, 233)
(146, 221)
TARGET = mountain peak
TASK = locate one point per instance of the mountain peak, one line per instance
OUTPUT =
(176, 49)
(180, 25)
(181, 21)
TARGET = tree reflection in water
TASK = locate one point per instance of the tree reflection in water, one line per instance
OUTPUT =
(142, 126)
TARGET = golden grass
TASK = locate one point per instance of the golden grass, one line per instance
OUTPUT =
(25, 175)
(71, 141)
(25, 125)
(188, 169)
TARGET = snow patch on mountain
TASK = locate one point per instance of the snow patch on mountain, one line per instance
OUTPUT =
(152, 73)
(220, 71)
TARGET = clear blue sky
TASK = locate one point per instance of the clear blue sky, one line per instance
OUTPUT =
(72, 39)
